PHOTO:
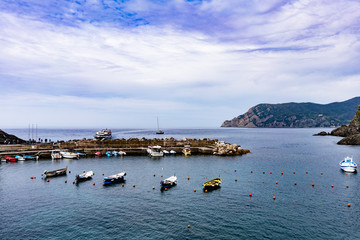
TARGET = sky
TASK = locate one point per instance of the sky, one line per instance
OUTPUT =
(192, 64)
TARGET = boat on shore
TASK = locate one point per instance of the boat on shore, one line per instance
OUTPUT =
(168, 182)
(84, 176)
(55, 173)
(212, 184)
(115, 178)
(348, 165)
(103, 134)
(155, 151)
(55, 154)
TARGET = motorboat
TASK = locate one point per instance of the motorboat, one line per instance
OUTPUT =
(115, 153)
(122, 153)
(186, 150)
(98, 154)
(84, 176)
(70, 155)
(166, 152)
(55, 173)
(20, 158)
(155, 151)
(81, 154)
(168, 182)
(10, 159)
(212, 184)
(172, 152)
(103, 134)
(348, 165)
(108, 153)
(28, 157)
(55, 154)
(115, 178)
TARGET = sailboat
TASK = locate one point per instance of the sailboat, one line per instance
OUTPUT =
(159, 131)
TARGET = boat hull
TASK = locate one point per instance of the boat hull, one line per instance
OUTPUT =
(348, 169)
(55, 173)
(115, 178)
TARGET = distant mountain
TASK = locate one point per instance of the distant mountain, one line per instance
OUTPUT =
(296, 115)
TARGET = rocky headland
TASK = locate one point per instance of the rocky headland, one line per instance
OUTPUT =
(350, 133)
(9, 139)
(296, 115)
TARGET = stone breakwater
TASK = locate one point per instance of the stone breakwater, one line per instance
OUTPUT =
(132, 146)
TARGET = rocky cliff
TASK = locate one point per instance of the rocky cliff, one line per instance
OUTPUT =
(296, 115)
(8, 138)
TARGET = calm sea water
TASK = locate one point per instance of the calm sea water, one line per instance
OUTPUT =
(35, 209)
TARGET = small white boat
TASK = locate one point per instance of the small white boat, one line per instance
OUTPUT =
(155, 151)
(186, 150)
(348, 165)
(166, 152)
(122, 153)
(20, 158)
(172, 152)
(55, 155)
(85, 176)
(169, 182)
(71, 155)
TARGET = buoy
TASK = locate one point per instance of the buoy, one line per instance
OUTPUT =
(161, 175)
(345, 173)
(93, 183)
(332, 186)
(188, 178)
(69, 171)
(165, 189)
(270, 172)
(103, 174)
(263, 172)
(294, 183)
(235, 170)
(250, 195)
(205, 190)
(189, 226)
(321, 203)
(93, 173)
(84, 171)
(235, 179)
(312, 184)
(262, 181)
(134, 185)
(251, 171)
(347, 186)
(205, 177)
(154, 174)
(282, 173)
(153, 188)
(194, 189)
(34, 177)
(73, 182)
(122, 185)
(48, 180)
(306, 172)
(65, 181)
(276, 182)
(349, 204)
(293, 172)
(103, 184)
(274, 197)
(31, 177)
(321, 173)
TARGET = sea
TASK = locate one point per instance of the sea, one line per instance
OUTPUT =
(37, 209)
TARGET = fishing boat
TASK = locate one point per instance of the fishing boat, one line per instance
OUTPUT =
(155, 151)
(98, 154)
(84, 176)
(115, 178)
(70, 155)
(212, 184)
(10, 159)
(115, 153)
(55, 154)
(348, 165)
(55, 173)
(168, 182)
(108, 153)
(158, 129)
(186, 150)
(103, 134)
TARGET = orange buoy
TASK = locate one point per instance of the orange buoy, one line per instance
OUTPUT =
(345, 173)
(48, 180)
(84, 171)
(306, 172)
(188, 178)
(194, 189)
(73, 182)
(93, 173)
(154, 174)
(134, 185)
(205, 177)
(293, 172)
(349, 204)
(274, 197)
(235, 170)
(263, 172)
(347, 186)
(312, 184)
(276, 182)
(270, 172)
(321, 203)
(65, 181)
(93, 183)
(294, 183)
(165, 189)
(189, 226)
(103, 174)
(103, 184)
(153, 188)
(250, 195)
(262, 181)
(251, 171)
(332, 186)
(34, 177)
(321, 173)
(31, 177)
(205, 190)
(235, 179)
(282, 173)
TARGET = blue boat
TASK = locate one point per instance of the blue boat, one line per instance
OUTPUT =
(115, 178)
(108, 153)
(115, 153)
(27, 157)
(81, 154)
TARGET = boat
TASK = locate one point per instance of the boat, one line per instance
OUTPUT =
(10, 159)
(108, 153)
(158, 129)
(55, 173)
(155, 151)
(98, 154)
(28, 157)
(103, 134)
(19, 158)
(122, 153)
(81, 154)
(115, 153)
(186, 150)
(348, 165)
(115, 178)
(172, 152)
(166, 152)
(168, 182)
(84, 177)
(212, 184)
(55, 154)
(70, 155)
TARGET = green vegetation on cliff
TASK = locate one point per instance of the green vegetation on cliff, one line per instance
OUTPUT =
(297, 115)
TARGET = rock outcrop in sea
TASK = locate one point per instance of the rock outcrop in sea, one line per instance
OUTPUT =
(296, 115)
(6, 138)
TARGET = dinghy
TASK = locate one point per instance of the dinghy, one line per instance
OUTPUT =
(55, 173)
(212, 184)
(84, 177)
(114, 178)
(168, 182)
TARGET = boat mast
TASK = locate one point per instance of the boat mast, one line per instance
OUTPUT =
(157, 123)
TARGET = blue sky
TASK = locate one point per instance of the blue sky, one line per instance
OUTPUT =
(120, 64)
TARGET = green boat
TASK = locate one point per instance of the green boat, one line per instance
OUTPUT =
(215, 183)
